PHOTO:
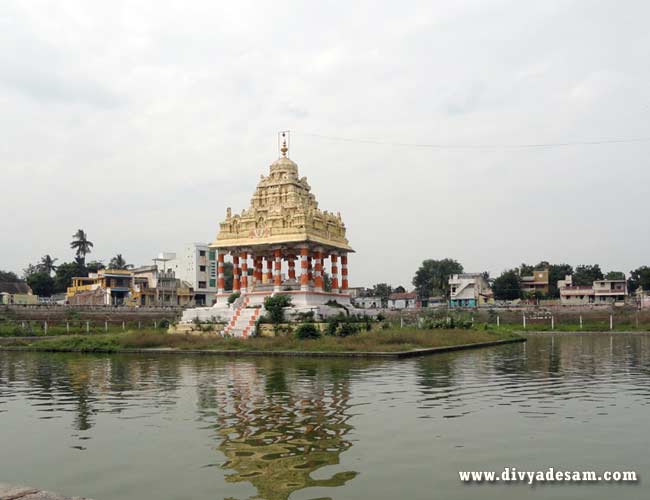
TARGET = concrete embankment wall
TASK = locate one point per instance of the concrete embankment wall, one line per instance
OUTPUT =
(90, 313)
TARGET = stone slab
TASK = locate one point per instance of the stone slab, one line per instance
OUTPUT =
(9, 492)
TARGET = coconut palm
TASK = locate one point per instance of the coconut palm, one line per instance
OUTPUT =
(118, 262)
(47, 264)
(82, 246)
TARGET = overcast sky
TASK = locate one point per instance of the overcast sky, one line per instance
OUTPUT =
(141, 121)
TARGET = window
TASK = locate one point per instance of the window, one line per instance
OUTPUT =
(211, 254)
(201, 284)
(202, 253)
(202, 269)
(212, 283)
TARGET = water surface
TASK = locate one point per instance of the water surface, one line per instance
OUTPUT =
(176, 427)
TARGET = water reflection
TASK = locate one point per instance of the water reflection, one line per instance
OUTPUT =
(277, 426)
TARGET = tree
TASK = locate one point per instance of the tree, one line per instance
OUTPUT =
(399, 289)
(95, 265)
(47, 264)
(507, 286)
(81, 245)
(118, 262)
(585, 275)
(29, 270)
(383, 291)
(41, 283)
(64, 274)
(9, 276)
(640, 277)
(327, 282)
(615, 275)
(433, 277)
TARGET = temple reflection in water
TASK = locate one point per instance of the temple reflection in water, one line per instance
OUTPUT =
(276, 432)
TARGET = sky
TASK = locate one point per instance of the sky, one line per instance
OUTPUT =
(141, 121)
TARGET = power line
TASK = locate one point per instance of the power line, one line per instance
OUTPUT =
(478, 146)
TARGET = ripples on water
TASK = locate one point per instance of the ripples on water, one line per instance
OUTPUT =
(272, 427)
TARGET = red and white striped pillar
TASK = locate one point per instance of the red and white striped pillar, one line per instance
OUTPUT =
(335, 273)
(221, 277)
(244, 272)
(277, 269)
(291, 262)
(269, 270)
(236, 284)
(304, 269)
(344, 272)
(318, 270)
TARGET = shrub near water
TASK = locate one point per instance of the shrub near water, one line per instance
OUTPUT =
(307, 331)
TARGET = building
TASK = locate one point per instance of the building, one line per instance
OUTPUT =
(600, 292)
(405, 300)
(106, 287)
(155, 287)
(536, 283)
(195, 264)
(282, 229)
(16, 292)
(368, 302)
(469, 290)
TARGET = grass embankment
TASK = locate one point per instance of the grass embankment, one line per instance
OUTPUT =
(406, 339)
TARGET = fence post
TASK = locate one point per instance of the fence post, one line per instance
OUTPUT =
(498, 321)
(87, 326)
(22, 325)
(105, 325)
(524, 320)
(581, 321)
(67, 327)
(155, 325)
(611, 322)
(123, 326)
(552, 322)
(45, 327)
(139, 325)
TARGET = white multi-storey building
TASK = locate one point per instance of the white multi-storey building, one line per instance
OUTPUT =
(196, 263)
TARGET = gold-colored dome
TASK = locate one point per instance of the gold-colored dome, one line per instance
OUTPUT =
(282, 210)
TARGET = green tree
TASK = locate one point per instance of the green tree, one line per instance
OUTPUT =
(95, 265)
(9, 276)
(275, 305)
(41, 283)
(29, 270)
(399, 289)
(383, 291)
(507, 286)
(64, 274)
(81, 245)
(640, 277)
(47, 264)
(585, 275)
(615, 275)
(118, 262)
(433, 277)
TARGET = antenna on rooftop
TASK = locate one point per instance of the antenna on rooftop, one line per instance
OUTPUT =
(284, 141)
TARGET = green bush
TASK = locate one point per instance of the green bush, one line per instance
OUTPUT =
(307, 331)
(275, 305)
(233, 297)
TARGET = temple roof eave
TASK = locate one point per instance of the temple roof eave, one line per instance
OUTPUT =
(293, 240)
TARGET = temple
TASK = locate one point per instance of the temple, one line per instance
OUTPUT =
(283, 243)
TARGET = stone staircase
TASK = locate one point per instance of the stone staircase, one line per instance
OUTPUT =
(242, 322)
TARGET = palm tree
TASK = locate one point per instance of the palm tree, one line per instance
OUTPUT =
(118, 262)
(47, 264)
(82, 246)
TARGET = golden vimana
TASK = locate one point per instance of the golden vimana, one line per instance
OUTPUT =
(282, 210)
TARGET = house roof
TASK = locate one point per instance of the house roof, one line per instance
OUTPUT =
(18, 287)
